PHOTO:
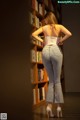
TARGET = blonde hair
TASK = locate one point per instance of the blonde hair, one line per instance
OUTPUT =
(50, 18)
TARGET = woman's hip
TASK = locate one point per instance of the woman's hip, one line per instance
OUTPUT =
(52, 50)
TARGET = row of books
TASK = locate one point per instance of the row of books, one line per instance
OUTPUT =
(34, 20)
(37, 22)
(36, 56)
(37, 6)
(41, 94)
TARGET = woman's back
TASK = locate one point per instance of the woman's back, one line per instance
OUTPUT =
(51, 30)
(51, 33)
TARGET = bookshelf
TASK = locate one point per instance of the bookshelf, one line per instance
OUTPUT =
(39, 78)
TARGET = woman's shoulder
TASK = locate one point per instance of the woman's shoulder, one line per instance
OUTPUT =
(45, 26)
(57, 25)
(51, 25)
(54, 25)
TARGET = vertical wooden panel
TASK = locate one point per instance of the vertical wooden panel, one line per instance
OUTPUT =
(15, 85)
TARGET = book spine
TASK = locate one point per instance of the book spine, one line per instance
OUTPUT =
(38, 95)
(34, 96)
(43, 93)
(33, 55)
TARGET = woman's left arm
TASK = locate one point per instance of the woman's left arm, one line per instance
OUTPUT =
(36, 33)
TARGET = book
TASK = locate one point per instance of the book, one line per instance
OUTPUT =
(40, 10)
(33, 56)
(40, 74)
(34, 96)
(32, 19)
(36, 22)
(41, 97)
(39, 56)
(36, 5)
(43, 93)
(38, 94)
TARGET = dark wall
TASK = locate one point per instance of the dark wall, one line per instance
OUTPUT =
(15, 84)
(71, 48)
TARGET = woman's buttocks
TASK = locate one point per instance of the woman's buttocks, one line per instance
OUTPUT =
(52, 50)
(55, 51)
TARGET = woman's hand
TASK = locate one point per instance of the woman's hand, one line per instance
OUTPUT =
(60, 41)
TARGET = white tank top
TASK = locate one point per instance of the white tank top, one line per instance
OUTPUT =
(51, 40)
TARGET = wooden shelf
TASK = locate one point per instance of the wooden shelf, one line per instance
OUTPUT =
(41, 101)
(40, 82)
(38, 104)
(44, 81)
(39, 63)
(38, 46)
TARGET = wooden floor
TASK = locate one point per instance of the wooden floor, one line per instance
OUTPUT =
(71, 109)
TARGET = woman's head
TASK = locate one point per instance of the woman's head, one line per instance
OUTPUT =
(50, 18)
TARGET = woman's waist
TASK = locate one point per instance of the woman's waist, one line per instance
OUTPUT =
(49, 42)
(51, 46)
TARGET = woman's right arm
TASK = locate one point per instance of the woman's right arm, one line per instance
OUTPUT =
(66, 33)
(36, 33)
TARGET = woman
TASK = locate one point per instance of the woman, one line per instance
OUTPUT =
(52, 59)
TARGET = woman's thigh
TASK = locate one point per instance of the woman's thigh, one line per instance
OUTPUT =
(56, 59)
(47, 63)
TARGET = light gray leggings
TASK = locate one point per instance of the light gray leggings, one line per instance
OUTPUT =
(52, 59)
